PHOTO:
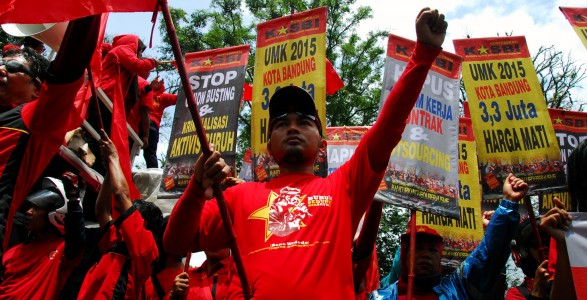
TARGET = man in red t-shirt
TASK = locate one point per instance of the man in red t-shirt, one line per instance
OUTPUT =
(295, 232)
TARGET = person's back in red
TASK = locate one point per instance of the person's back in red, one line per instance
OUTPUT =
(295, 232)
(122, 63)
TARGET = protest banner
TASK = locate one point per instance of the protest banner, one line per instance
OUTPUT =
(463, 235)
(216, 78)
(422, 171)
(570, 128)
(290, 51)
(246, 172)
(510, 120)
(578, 19)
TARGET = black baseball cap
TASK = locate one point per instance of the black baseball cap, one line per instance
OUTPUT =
(293, 99)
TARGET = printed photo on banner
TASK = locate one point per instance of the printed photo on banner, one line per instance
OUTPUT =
(462, 235)
(576, 16)
(422, 171)
(509, 115)
(570, 128)
(291, 50)
(342, 142)
(216, 78)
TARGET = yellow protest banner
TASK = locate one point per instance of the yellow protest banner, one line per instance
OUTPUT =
(509, 115)
(290, 51)
(578, 19)
(463, 235)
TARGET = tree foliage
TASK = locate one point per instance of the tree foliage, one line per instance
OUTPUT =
(558, 75)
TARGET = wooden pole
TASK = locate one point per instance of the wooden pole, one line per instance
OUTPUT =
(411, 262)
(200, 131)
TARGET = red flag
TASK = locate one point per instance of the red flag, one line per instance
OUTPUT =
(333, 81)
(248, 92)
(119, 136)
(42, 11)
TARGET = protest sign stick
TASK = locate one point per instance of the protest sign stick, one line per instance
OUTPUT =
(411, 262)
(200, 131)
(188, 257)
(535, 230)
(95, 100)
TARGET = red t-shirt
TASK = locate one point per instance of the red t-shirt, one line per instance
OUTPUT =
(295, 232)
(36, 270)
(160, 102)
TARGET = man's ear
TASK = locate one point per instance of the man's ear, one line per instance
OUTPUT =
(323, 144)
(269, 147)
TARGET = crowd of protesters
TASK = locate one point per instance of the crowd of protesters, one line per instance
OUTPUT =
(292, 248)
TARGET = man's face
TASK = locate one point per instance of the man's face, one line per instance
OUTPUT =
(36, 218)
(427, 257)
(295, 139)
(17, 86)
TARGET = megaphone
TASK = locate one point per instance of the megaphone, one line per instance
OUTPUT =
(51, 34)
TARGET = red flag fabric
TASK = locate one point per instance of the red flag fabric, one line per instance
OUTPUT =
(119, 136)
(42, 11)
(84, 94)
(248, 92)
(333, 81)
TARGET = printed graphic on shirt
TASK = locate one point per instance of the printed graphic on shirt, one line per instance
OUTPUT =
(284, 213)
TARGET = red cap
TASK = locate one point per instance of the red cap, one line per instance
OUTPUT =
(421, 230)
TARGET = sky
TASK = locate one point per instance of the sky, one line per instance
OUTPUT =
(540, 21)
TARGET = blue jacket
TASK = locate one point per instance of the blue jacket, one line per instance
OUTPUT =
(478, 272)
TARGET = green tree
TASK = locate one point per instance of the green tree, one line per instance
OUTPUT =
(394, 221)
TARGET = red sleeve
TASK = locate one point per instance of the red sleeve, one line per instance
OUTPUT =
(54, 103)
(167, 100)
(399, 103)
(514, 294)
(133, 64)
(379, 141)
(194, 224)
(141, 247)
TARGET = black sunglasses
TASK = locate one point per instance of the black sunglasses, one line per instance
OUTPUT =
(13, 66)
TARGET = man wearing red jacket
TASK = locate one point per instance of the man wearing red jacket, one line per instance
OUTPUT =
(128, 247)
(161, 100)
(302, 251)
(31, 133)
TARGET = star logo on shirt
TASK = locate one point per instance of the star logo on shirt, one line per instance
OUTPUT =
(284, 213)
(262, 214)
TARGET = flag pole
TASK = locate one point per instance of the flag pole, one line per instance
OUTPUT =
(411, 263)
(200, 131)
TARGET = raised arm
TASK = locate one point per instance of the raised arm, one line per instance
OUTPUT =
(184, 222)
(64, 77)
(488, 259)
(388, 129)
